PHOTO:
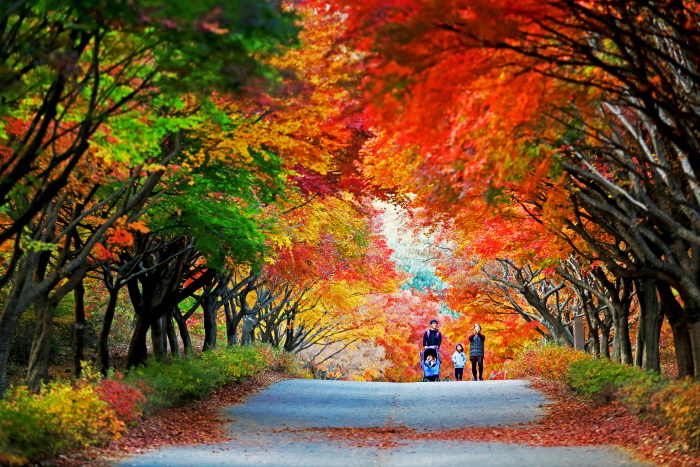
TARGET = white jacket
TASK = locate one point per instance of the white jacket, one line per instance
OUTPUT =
(459, 359)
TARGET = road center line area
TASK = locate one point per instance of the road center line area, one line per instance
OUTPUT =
(343, 423)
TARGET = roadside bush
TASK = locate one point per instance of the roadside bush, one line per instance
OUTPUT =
(174, 383)
(637, 392)
(549, 362)
(677, 406)
(67, 416)
(62, 417)
(601, 380)
(237, 363)
(166, 385)
(294, 366)
(673, 405)
(126, 401)
(286, 362)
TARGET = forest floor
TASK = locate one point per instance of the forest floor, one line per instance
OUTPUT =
(568, 422)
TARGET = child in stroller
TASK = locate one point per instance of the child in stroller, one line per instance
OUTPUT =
(430, 363)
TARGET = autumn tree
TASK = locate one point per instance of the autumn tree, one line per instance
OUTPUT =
(124, 56)
(610, 81)
(130, 60)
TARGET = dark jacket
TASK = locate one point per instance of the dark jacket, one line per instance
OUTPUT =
(476, 345)
(432, 338)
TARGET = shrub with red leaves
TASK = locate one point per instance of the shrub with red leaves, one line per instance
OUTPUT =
(126, 401)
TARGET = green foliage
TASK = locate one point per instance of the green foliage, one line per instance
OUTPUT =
(226, 41)
(181, 380)
(601, 380)
(223, 208)
(192, 46)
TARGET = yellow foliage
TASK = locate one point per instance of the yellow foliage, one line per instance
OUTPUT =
(81, 414)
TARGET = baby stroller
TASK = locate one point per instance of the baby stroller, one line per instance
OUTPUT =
(430, 373)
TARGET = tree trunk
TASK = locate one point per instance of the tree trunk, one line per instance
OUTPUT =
(679, 327)
(31, 271)
(138, 349)
(184, 332)
(694, 330)
(595, 342)
(209, 313)
(265, 335)
(649, 314)
(625, 342)
(172, 336)
(605, 342)
(248, 331)
(622, 345)
(289, 336)
(556, 327)
(231, 326)
(652, 346)
(102, 363)
(157, 340)
(79, 330)
(15, 305)
(684, 351)
(38, 370)
(639, 344)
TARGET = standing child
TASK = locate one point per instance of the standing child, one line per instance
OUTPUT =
(476, 352)
(459, 359)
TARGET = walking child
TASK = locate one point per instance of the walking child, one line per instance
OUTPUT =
(476, 352)
(459, 359)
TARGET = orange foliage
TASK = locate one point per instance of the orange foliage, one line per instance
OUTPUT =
(407, 316)
(438, 84)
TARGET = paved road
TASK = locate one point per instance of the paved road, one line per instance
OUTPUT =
(296, 404)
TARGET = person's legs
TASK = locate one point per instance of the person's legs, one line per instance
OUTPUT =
(458, 373)
(473, 360)
(481, 368)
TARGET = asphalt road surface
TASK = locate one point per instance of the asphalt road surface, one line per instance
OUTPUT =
(298, 404)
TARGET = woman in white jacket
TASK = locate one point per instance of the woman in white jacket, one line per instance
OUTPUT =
(459, 359)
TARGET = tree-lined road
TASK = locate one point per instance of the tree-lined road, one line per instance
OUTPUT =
(302, 404)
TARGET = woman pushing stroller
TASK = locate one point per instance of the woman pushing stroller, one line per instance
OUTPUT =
(432, 337)
(430, 356)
